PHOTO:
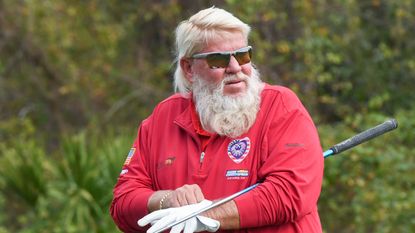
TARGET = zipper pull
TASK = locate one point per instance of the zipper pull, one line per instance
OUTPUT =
(202, 156)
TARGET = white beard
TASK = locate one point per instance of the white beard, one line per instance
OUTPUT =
(227, 115)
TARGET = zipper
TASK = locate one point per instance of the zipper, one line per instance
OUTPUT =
(202, 156)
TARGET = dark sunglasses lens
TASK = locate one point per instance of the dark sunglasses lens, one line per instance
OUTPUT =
(243, 57)
(218, 60)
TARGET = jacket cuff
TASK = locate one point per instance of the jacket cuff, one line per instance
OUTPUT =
(247, 209)
(140, 202)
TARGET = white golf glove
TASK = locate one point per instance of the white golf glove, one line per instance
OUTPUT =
(162, 218)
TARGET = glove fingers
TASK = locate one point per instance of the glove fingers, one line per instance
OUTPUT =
(190, 226)
(163, 222)
(178, 228)
(211, 225)
(162, 218)
(154, 216)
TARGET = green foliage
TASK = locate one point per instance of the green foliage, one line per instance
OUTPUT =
(370, 187)
(68, 193)
(86, 63)
(97, 66)
(23, 170)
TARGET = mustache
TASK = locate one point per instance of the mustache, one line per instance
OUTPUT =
(235, 77)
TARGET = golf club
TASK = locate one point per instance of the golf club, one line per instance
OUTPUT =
(340, 147)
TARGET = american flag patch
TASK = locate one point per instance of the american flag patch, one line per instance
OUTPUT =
(130, 156)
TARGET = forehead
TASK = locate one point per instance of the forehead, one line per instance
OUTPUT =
(226, 42)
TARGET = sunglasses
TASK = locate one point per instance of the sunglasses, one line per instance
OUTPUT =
(222, 59)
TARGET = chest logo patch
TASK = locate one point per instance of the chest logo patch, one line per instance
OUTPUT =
(237, 174)
(238, 149)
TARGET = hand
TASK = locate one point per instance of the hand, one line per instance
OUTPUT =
(162, 218)
(185, 195)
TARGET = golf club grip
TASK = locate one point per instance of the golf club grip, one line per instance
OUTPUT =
(365, 136)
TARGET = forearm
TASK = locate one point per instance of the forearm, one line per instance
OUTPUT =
(227, 214)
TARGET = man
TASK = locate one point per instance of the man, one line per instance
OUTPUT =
(224, 131)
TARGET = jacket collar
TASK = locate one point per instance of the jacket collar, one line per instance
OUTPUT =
(190, 121)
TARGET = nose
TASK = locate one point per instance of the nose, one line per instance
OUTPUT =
(233, 66)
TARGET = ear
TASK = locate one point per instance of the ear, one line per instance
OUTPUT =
(186, 65)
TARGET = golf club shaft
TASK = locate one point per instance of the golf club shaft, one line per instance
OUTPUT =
(340, 147)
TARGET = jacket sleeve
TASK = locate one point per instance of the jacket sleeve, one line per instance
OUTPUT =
(291, 171)
(134, 186)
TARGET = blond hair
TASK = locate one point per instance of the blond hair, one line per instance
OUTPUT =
(195, 33)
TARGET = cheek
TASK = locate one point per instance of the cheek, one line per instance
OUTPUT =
(214, 75)
(247, 69)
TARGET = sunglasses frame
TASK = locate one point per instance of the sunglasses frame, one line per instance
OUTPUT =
(247, 49)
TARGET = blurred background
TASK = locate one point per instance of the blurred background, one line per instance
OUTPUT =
(77, 77)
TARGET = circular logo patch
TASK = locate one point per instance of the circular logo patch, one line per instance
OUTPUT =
(238, 149)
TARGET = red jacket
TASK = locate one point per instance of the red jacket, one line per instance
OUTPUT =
(281, 150)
